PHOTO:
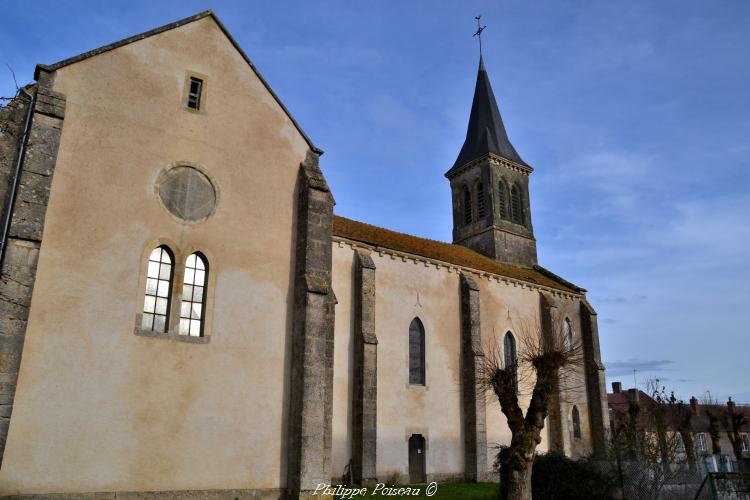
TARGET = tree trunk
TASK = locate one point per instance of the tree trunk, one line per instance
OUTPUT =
(515, 484)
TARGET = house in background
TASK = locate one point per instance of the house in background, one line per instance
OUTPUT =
(719, 455)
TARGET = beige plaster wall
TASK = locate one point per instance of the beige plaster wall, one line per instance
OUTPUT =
(406, 289)
(343, 357)
(99, 408)
(507, 307)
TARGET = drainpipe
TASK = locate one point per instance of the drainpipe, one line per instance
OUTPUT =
(16, 178)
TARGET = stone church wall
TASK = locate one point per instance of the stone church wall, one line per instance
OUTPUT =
(408, 288)
(99, 408)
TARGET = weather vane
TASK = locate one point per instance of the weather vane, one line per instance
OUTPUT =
(478, 34)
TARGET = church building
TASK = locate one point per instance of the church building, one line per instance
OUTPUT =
(183, 314)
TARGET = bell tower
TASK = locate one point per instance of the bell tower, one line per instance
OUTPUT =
(490, 186)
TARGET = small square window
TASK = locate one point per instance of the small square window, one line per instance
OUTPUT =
(194, 93)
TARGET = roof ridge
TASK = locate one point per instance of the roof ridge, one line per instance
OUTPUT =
(161, 29)
(442, 251)
(124, 41)
(398, 232)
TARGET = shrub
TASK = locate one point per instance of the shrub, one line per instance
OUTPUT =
(557, 477)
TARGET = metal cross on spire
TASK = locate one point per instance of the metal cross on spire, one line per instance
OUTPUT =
(478, 34)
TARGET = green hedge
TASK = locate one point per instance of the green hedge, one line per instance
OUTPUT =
(557, 477)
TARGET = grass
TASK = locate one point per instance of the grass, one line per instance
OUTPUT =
(448, 491)
(464, 491)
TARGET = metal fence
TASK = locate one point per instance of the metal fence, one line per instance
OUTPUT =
(711, 478)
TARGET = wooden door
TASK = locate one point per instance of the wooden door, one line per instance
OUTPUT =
(417, 469)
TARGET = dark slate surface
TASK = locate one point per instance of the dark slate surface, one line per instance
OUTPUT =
(486, 132)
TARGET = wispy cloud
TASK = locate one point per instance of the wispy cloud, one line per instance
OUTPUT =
(619, 368)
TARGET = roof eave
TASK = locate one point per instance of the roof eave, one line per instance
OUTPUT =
(456, 169)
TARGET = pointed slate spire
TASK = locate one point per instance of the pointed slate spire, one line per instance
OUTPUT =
(486, 132)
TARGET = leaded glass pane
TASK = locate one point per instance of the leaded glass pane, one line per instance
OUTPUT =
(153, 269)
(160, 323)
(161, 306)
(148, 320)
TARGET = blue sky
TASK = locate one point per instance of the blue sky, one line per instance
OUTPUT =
(633, 114)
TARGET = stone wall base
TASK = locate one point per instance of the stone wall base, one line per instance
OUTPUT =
(260, 494)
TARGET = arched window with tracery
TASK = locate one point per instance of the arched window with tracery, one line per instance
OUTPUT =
(516, 204)
(568, 331)
(511, 356)
(481, 202)
(467, 206)
(158, 290)
(502, 199)
(416, 353)
(193, 305)
(576, 423)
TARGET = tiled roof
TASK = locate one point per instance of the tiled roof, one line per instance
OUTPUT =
(445, 252)
(619, 404)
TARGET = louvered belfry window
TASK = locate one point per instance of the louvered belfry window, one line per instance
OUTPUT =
(516, 205)
(467, 206)
(481, 203)
(502, 199)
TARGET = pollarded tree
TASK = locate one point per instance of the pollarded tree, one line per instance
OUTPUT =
(717, 421)
(543, 362)
(737, 420)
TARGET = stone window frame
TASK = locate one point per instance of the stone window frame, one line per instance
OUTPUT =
(423, 331)
(155, 295)
(569, 333)
(745, 440)
(199, 257)
(165, 172)
(186, 90)
(180, 255)
(575, 417)
(509, 334)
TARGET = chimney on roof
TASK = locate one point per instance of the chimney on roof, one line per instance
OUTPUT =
(694, 405)
(731, 405)
(617, 387)
(633, 394)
